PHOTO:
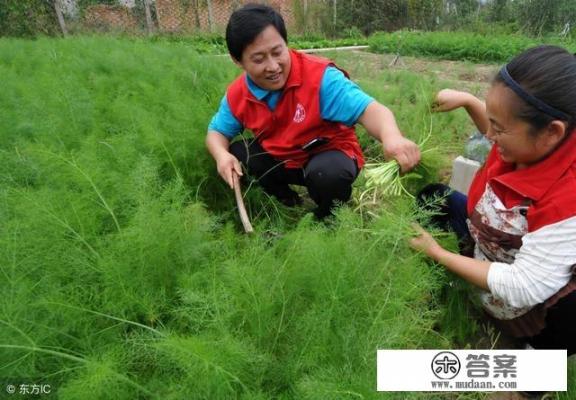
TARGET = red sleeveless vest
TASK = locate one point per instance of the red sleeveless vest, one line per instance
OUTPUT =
(548, 188)
(296, 119)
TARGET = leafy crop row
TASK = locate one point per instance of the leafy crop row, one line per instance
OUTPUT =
(124, 272)
(459, 46)
(215, 44)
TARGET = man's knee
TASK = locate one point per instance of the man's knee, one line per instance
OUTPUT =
(331, 174)
(328, 180)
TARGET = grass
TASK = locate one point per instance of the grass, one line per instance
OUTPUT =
(216, 43)
(124, 272)
(460, 46)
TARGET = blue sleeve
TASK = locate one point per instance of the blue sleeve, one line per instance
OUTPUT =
(341, 100)
(225, 122)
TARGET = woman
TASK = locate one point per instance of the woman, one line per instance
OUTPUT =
(521, 208)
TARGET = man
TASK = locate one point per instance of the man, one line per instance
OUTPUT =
(302, 111)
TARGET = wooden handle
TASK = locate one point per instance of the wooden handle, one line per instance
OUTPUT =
(240, 203)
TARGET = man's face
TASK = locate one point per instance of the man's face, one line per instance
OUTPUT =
(267, 60)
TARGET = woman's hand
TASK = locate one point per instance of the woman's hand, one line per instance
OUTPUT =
(448, 100)
(424, 242)
(474, 271)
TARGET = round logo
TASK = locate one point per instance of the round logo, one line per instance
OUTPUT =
(300, 113)
(445, 365)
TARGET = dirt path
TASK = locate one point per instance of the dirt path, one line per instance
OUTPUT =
(474, 78)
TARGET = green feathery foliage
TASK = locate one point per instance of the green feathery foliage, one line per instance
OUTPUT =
(124, 274)
(459, 46)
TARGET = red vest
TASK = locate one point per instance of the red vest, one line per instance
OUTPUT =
(548, 186)
(296, 119)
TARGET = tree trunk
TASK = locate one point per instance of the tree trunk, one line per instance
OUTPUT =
(149, 24)
(197, 14)
(305, 15)
(335, 17)
(61, 22)
(210, 15)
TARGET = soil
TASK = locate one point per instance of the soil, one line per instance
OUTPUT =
(474, 78)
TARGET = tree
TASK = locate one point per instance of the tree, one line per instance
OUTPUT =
(60, 16)
(424, 14)
(28, 18)
(544, 16)
(373, 15)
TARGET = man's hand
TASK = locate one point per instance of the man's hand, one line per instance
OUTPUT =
(227, 164)
(404, 151)
(381, 124)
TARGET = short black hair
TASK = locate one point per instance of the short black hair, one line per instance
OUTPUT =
(549, 74)
(248, 22)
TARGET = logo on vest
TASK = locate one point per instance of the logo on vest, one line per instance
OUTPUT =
(300, 113)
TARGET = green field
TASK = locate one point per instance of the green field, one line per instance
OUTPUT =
(125, 272)
(460, 46)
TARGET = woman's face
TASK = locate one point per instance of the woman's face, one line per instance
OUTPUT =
(511, 135)
(267, 60)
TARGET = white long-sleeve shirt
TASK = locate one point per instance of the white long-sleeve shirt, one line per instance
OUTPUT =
(542, 266)
(524, 277)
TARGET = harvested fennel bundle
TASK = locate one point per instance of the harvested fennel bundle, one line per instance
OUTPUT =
(384, 178)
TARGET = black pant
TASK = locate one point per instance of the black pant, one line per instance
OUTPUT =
(560, 330)
(328, 175)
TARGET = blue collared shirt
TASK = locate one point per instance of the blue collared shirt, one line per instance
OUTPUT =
(341, 100)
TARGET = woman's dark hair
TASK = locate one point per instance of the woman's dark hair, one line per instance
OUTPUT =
(248, 22)
(547, 73)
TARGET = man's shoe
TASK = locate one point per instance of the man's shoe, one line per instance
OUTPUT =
(290, 198)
